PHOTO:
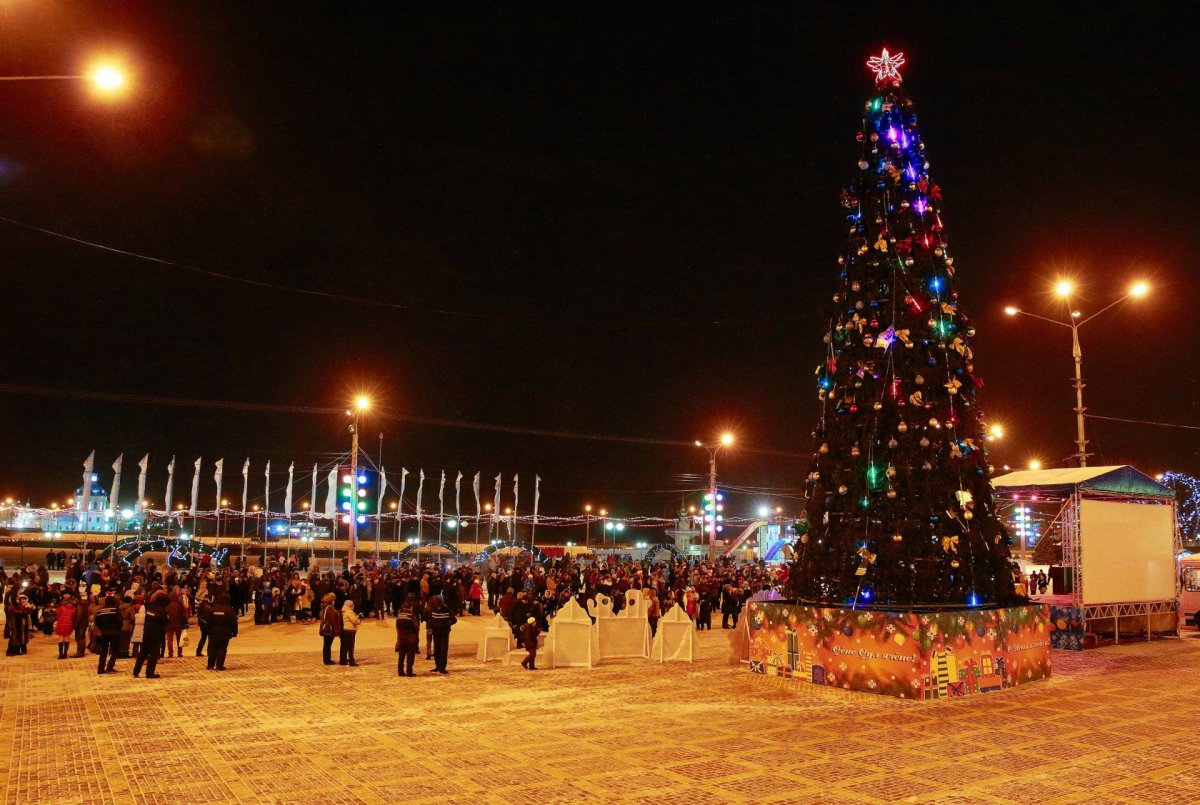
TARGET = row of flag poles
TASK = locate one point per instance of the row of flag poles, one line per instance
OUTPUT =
(330, 508)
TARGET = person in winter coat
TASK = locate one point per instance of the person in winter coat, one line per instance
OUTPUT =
(176, 621)
(475, 595)
(439, 620)
(329, 625)
(408, 640)
(108, 622)
(126, 610)
(19, 625)
(153, 631)
(139, 626)
(83, 618)
(349, 632)
(222, 627)
(529, 635)
(653, 612)
(64, 625)
(203, 621)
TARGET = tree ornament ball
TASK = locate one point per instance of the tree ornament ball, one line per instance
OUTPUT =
(804, 539)
(893, 444)
(847, 630)
(968, 515)
(878, 406)
(902, 427)
(924, 442)
(933, 423)
(891, 493)
(863, 164)
(843, 489)
(824, 448)
(898, 638)
(891, 472)
(927, 466)
(897, 538)
(919, 380)
(855, 451)
(954, 563)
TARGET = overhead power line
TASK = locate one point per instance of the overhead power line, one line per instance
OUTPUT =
(181, 402)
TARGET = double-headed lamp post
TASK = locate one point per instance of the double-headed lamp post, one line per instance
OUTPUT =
(1064, 289)
(713, 448)
(361, 404)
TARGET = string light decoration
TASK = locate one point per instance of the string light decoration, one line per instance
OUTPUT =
(899, 498)
(1187, 493)
(886, 68)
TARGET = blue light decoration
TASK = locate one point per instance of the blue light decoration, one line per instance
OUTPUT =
(1187, 492)
(973, 600)
(935, 284)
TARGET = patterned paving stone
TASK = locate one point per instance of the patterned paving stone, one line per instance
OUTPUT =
(1114, 725)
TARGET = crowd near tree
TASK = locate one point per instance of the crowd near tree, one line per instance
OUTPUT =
(145, 611)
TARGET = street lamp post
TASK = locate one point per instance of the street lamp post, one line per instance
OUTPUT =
(587, 519)
(1064, 289)
(726, 440)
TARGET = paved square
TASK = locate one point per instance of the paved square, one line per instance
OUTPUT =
(1115, 725)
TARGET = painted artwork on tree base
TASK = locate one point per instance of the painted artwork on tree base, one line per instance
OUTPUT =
(909, 655)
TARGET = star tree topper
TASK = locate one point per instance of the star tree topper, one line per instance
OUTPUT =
(886, 67)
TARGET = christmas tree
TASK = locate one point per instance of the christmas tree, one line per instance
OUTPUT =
(899, 509)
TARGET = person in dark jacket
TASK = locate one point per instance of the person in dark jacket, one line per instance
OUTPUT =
(108, 623)
(222, 627)
(176, 623)
(529, 634)
(83, 615)
(439, 620)
(408, 640)
(203, 621)
(153, 632)
(330, 626)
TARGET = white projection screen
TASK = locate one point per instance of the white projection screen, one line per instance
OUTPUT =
(1127, 551)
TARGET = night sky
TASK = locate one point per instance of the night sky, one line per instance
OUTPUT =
(635, 210)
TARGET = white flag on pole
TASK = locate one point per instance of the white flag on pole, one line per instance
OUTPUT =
(195, 488)
(144, 465)
(478, 507)
(85, 494)
(114, 500)
(312, 501)
(267, 490)
(420, 491)
(496, 505)
(245, 486)
(400, 504)
(516, 499)
(218, 476)
(441, 498)
(537, 496)
(457, 494)
(287, 496)
(379, 502)
(331, 496)
(167, 505)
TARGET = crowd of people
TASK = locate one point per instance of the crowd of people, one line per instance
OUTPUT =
(145, 611)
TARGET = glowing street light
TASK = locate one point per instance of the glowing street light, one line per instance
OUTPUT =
(1064, 289)
(1034, 464)
(995, 432)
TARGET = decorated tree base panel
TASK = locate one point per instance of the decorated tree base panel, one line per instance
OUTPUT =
(908, 654)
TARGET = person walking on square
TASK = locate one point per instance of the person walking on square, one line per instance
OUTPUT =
(330, 626)
(108, 623)
(139, 626)
(350, 623)
(18, 625)
(222, 627)
(64, 625)
(203, 623)
(83, 619)
(153, 631)
(439, 620)
(408, 640)
(529, 635)
(176, 620)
